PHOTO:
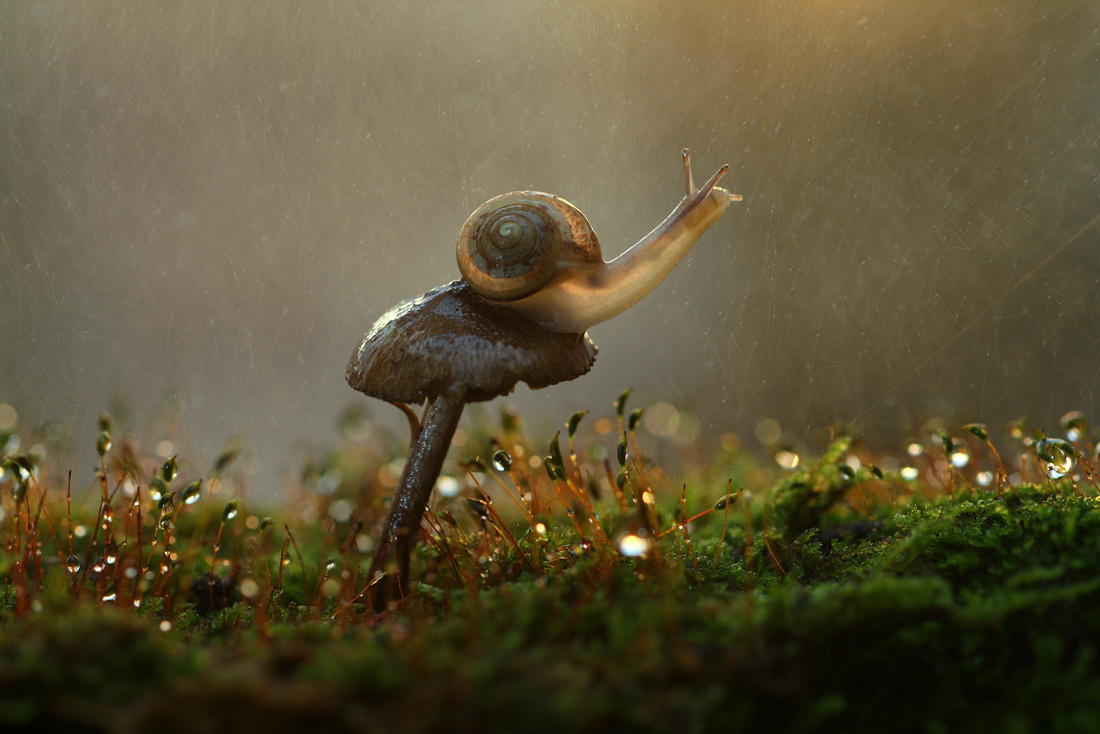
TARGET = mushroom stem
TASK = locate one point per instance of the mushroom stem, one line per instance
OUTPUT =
(585, 294)
(399, 533)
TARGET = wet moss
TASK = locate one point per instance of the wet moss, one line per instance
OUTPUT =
(839, 598)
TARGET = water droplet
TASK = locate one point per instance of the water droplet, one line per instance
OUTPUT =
(110, 597)
(909, 473)
(960, 458)
(165, 626)
(137, 603)
(249, 588)
(192, 492)
(169, 469)
(230, 511)
(978, 429)
(984, 478)
(103, 443)
(99, 566)
(130, 572)
(633, 546)
(502, 460)
(72, 563)
(1057, 457)
(1074, 424)
(330, 565)
(340, 510)
(726, 501)
(540, 528)
(786, 459)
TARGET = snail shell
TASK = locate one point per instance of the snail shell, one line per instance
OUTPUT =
(515, 243)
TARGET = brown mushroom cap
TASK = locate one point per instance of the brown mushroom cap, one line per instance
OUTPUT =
(450, 337)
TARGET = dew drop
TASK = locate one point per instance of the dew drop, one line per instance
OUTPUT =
(249, 588)
(192, 492)
(72, 563)
(909, 473)
(786, 459)
(502, 460)
(960, 458)
(170, 468)
(1057, 457)
(448, 486)
(985, 478)
(633, 546)
(110, 597)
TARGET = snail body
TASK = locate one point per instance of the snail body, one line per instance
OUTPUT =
(536, 253)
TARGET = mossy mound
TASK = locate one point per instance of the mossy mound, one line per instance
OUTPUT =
(970, 613)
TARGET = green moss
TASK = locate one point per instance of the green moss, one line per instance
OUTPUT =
(793, 608)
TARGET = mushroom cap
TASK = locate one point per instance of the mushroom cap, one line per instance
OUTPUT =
(452, 338)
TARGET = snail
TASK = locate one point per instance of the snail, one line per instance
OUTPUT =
(533, 282)
(537, 254)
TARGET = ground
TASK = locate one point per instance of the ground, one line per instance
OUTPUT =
(832, 595)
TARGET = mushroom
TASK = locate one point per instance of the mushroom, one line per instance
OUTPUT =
(533, 282)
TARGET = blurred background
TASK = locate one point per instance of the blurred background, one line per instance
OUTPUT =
(203, 205)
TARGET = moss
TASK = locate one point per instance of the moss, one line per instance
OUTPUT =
(836, 599)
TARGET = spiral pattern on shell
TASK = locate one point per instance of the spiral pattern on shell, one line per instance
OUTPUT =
(513, 244)
(513, 238)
